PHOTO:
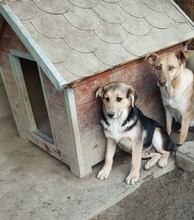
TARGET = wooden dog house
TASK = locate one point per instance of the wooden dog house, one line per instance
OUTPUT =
(55, 54)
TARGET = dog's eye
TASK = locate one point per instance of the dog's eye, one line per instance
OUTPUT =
(158, 67)
(107, 99)
(170, 67)
(119, 99)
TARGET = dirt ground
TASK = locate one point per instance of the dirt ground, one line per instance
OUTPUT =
(170, 197)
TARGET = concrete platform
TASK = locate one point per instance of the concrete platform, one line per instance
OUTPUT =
(34, 185)
(185, 156)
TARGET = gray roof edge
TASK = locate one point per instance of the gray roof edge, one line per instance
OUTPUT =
(38, 54)
(182, 12)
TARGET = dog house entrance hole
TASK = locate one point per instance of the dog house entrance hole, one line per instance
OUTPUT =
(36, 98)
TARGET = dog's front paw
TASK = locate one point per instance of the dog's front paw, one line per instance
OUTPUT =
(148, 165)
(103, 174)
(162, 162)
(132, 178)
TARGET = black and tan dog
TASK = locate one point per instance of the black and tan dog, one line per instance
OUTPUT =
(126, 126)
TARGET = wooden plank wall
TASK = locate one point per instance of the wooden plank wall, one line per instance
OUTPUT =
(58, 117)
(8, 40)
(5, 109)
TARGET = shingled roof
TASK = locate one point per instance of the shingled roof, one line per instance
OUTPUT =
(79, 38)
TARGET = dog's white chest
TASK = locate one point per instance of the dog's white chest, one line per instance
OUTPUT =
(170, 102)
(175, 103)
(118, 133)
(114, 131)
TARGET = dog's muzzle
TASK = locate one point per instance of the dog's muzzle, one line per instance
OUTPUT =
(162, 82)
(110, 114)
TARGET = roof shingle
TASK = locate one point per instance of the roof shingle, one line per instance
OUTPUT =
(84, 37)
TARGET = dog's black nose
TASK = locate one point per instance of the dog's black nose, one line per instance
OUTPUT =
(110, 114)
(162, 82)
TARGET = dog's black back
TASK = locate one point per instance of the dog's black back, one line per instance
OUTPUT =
(149, 126)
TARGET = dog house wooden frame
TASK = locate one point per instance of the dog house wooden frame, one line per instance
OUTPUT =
(15, 57)
(66, 77)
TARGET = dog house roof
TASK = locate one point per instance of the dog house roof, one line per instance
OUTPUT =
(75, 39)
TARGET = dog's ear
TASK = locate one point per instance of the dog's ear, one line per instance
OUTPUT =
(182, 56)
(100, 92)
(132, 94)
(151, 58)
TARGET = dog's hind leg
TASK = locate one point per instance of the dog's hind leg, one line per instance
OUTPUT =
(163, 161)
(154, 159)
(159, 141)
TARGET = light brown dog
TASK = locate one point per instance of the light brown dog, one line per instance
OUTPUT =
(176, 86)
(126, 126)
